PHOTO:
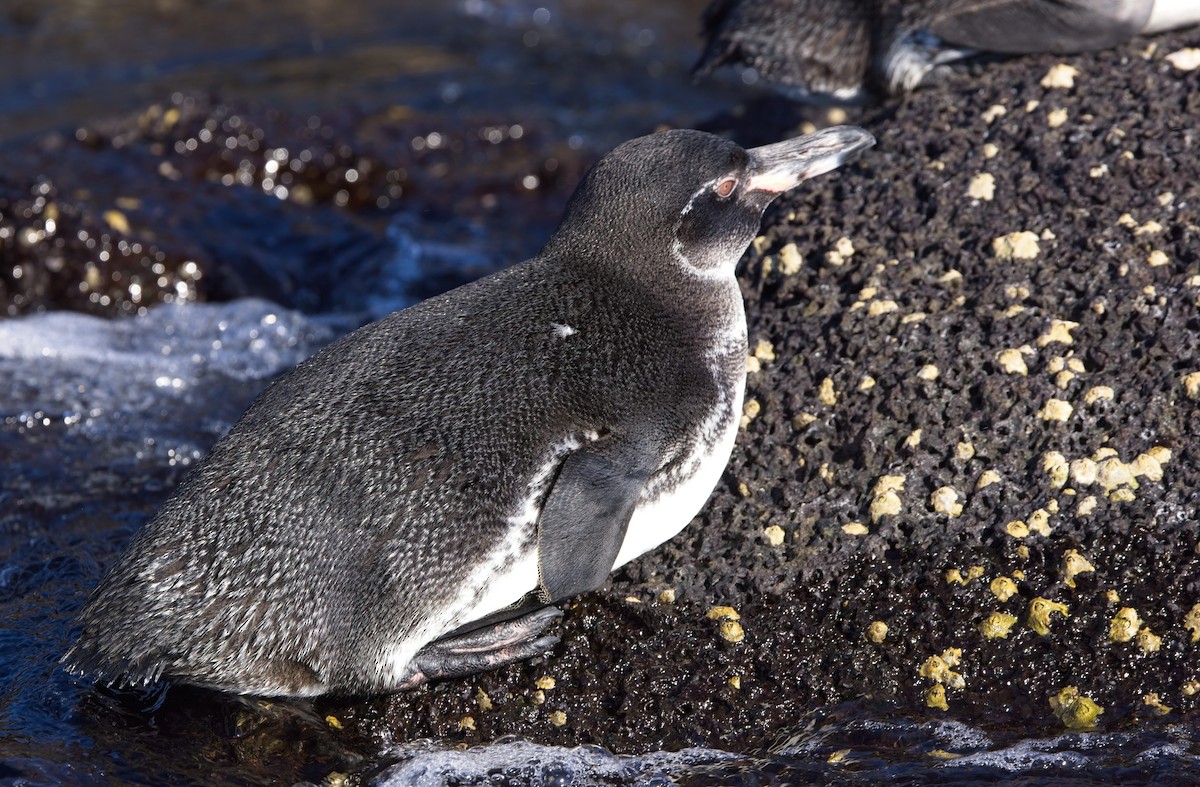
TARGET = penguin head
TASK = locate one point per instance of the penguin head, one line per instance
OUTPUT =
(690, 198)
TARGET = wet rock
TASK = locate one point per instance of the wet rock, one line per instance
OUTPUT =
(98, 229)
(200, 200)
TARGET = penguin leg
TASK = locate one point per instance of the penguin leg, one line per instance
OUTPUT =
(919, 59)
(483, 649)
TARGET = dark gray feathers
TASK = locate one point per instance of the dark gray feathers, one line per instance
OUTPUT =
(808, 45)
(841, 47)
(351, 503)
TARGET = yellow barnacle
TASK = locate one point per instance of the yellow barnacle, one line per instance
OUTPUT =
(1073, 565)
(1074, 710)
(1124, 625)
(1040, 610)
(1003, 588)
(877, 632)
(997, 625)
(1191, 621)
(935, 697)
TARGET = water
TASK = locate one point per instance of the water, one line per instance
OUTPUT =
(594, 69)
(850, 751)
(100, 418)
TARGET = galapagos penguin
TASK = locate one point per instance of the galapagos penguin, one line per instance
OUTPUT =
(846, 50)
(406, 504)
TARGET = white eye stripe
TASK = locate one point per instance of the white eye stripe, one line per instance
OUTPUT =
(691, 203)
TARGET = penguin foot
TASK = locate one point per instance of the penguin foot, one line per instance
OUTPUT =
(483, 649)
(919, 59)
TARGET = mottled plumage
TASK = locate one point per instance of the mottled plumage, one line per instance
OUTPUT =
(845, 49)
(418, 476)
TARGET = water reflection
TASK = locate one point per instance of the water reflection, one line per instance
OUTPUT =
(590, 65)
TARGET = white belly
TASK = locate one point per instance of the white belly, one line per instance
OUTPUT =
(658, 521)
(503, 586)
(1170, 14)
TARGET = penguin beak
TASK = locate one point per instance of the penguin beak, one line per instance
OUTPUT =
(776, 168)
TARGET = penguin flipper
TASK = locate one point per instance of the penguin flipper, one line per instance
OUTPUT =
(1031, 26)
(584, 518)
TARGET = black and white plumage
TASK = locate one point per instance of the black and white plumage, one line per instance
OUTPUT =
(848, 49)
(404, 505)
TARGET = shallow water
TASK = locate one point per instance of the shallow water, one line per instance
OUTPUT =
(850, 751)
(100, 418)
(601, 70)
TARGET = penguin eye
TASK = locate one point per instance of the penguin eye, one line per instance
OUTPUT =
(725, 187)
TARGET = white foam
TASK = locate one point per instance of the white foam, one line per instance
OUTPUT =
(1166, 751)
(246, 339)
(1023, 756)
(957, 736)
(521, 762)
(943, 734)
(908, 744)
(171, 371)
(1082, 750)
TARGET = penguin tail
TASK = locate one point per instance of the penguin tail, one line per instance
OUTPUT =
(88, 657)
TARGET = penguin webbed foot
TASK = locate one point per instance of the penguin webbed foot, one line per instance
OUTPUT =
(486, 648)
(919, 59)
